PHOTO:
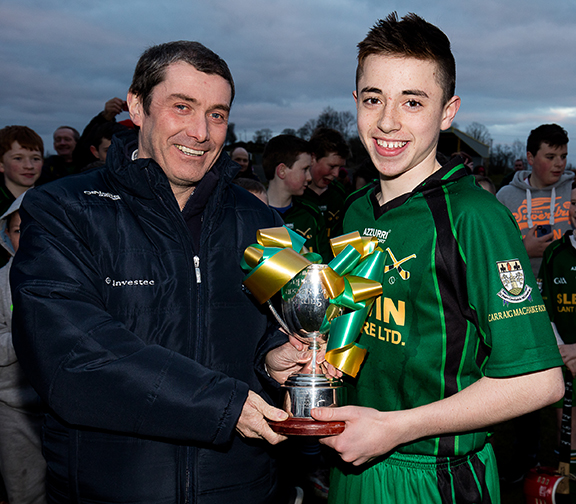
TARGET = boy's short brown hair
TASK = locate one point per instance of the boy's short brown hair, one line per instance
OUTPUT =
(412, 37)
(26, 137)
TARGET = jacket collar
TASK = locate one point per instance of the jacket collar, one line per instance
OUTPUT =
(450, 172)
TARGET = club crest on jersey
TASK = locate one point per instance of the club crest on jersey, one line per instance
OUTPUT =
(512, 278)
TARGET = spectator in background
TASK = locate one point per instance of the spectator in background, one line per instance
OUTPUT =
(557, 281)
(540, 198)
(104, 121)
(100, 142)
(21, 157)
(485, 183)
(329, 154)
(62, 163)
(253, 186)
(540, 201)
(518, 166)
(365, 174)
(286, 161)
(241, 156)
(22, 465)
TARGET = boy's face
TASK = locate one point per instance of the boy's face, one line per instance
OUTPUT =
(297, 178)
(21, 166)
(572, 211)
(547, 165)
(400, 114)
(13, 230)
(326, 169)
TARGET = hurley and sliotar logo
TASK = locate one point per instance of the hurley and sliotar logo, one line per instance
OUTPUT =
(512, 277)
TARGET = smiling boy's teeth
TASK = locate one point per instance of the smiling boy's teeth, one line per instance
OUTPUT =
(191, 152)
(391, 145)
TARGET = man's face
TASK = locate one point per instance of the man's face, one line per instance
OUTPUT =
(518, 165)
(185, 129)
(547, 165)
(298, 177)
(240, 156)
(572, 211)
(64, 142)
(21, 166)
(400, 114)
(326, 169)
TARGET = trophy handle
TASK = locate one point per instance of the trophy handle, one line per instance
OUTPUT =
(277, 316)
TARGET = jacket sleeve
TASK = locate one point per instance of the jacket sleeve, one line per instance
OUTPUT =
(88, 367)
(7, 353)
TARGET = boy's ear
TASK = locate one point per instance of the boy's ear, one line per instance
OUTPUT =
(94, 151)
(450, 110)
(1, 167)
(281, 171)
(529, 158)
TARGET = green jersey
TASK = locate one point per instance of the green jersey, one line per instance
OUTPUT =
(308, 222)
(330, 203)
(459, 301)
(557, 279)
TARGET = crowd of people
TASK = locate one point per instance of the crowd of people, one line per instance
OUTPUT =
(136, 368)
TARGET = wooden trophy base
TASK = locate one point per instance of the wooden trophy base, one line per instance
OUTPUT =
(307, 427)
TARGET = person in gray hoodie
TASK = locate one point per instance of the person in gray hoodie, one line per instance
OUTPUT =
(22, 465)
(540, 198)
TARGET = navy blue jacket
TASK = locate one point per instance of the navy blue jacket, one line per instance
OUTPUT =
(142, 357)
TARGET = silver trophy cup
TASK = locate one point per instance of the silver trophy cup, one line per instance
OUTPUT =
(304, 304)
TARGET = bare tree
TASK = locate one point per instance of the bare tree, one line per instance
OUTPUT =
(480, 133)
(262, 136)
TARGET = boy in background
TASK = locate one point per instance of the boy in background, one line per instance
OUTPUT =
(21, 159)
(459, 340)
(21, 463)
(286, 162)
(540, 199)
(557, 281)
(325, 192)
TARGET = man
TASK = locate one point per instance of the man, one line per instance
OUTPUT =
(325, 192)
(540, 199)
(518, 166)
(460, 339)
(286, 162)
(129, 315)
(240, 155)
(62, 163)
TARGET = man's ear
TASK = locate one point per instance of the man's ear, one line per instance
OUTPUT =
(135, 108)
(94, 152)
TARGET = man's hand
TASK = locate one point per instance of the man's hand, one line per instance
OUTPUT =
(536, 245)
(293, 357)
(113, 107)
(369, 433)
(287, 359)
(568, 353)
(252, 422)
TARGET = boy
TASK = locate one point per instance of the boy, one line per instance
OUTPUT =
(540, 199)
(557, 280)
(286, 162)
(21, 463)
(325, 192)
(21, 158)
(459, 339)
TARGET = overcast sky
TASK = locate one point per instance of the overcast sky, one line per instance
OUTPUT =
(60, 60)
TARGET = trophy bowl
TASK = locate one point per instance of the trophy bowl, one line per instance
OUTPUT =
(304, 304)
